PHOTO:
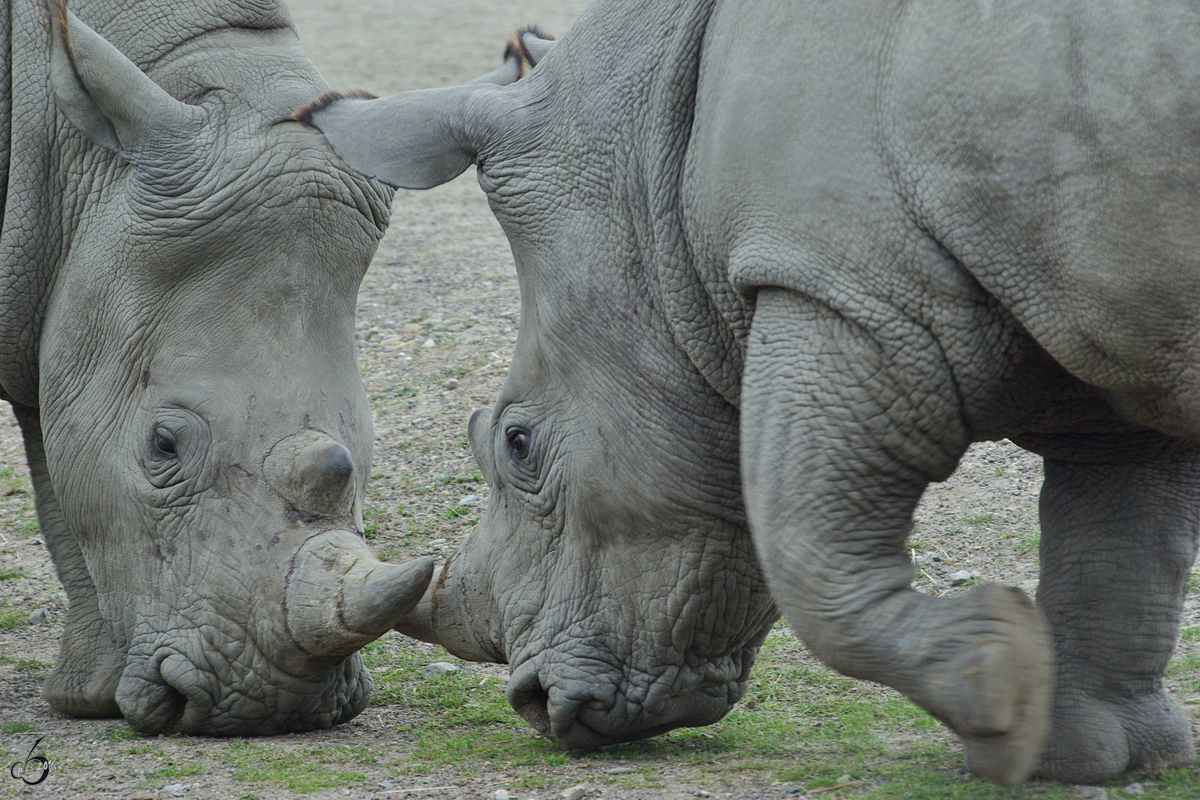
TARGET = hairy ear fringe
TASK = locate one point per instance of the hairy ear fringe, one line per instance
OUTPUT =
(304, 113)
(515, 47)
(59, 10)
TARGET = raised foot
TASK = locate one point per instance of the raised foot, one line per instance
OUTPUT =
(1096, 739)
(84, 680)
(996, 692)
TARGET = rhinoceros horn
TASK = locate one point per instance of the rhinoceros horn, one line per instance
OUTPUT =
(450, 614)
(339, 597)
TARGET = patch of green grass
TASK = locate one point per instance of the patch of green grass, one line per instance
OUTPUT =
(17, 727)
(302, 770)
(29, 666)
(1193, 583)
(455, 510)
(170, 772)
(372, 516)
(1190, 634)
(1028, 542)
(978, 519)
(121, 733)
(1185, 671)
(13, 482)
(474, 476)
(11, 618)
(29, 526)
(12, 573)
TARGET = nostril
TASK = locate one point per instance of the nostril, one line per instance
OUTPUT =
(530, 699)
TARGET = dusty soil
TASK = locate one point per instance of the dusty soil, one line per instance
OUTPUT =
(437, 319)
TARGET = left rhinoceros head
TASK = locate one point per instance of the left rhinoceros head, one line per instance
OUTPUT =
(206, 435)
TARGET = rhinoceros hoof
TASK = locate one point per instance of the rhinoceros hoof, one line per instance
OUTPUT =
(1094, 739)
(997, 693)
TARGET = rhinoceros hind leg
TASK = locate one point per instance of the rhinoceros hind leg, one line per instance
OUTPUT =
(83, 682)
(1118, 540)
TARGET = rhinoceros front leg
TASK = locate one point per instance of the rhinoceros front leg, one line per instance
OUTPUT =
(1118, 540)
(84, 680)
(843, 427)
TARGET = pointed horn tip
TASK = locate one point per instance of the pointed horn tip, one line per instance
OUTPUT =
(391, 592)
(418, 623)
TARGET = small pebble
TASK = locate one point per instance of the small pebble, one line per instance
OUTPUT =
(574, 793)
(174, 788)
(38, 617)
(439, 668)
(437, 541)
(1092, 792)
(960, 577)
(619, 771)
(469, 500)
(502, 794)
(410, 328)
(429, 343)
(452, 383)
(1135, 789)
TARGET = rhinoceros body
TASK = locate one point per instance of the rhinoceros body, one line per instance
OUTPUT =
(780, 264)
(179, 263)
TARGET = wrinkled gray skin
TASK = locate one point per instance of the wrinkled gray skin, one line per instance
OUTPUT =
(841, 242)
(177, 292)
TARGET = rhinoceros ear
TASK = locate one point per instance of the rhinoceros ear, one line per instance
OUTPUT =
(530, 44)
(412, 140)
(103, 93)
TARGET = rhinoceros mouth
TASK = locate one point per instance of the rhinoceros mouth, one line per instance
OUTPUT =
(583, 714)
(169, 692)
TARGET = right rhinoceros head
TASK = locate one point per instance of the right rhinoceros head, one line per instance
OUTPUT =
(205, 428)
(613, 569)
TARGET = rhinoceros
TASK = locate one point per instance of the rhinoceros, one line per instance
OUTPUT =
(780, 264)
(179, 263)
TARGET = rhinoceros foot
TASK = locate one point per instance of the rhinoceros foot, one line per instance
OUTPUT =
(996, 692)
(1096, 739)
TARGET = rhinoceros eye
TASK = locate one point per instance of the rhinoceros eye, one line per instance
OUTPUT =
(164, 443)
(518, 441)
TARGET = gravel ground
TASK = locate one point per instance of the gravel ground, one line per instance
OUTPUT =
(437, 319)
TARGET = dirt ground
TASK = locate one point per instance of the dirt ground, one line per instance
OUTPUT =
(437, 319)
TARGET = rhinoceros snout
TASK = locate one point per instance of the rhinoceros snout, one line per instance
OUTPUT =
(583, 714)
